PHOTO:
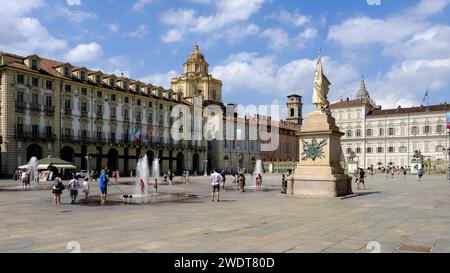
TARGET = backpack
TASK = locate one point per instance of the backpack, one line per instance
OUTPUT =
(74, 185)
(61, 185)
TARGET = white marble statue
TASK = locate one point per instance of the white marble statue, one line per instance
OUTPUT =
(320, 88)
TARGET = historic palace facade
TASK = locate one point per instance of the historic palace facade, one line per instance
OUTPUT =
(87, 117)
(94, 119)
(390, 137)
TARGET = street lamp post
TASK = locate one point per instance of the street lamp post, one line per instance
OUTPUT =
(205, 163)
(239, 158)
(87, 161)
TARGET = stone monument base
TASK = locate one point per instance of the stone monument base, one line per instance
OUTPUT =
(352, 167)
(321, 182)
(319, 173)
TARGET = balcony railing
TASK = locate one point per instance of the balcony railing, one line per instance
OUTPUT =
(35, 107)
(49, 110)
(20, 106)
(33, 136)
(68, 111)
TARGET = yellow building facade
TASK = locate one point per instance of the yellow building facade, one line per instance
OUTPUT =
(90, 118)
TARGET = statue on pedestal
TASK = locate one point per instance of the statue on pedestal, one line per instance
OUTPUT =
(320, 89)
(319, 172)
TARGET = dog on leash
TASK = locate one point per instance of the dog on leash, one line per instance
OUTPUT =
(126, 197)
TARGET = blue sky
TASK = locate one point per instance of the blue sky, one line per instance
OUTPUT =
(262, 50)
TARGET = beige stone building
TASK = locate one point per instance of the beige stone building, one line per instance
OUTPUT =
(196, 81)
(389, 137)
(94, 119)
(87, 117)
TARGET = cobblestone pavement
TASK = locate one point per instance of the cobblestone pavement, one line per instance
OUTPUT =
(401, 214)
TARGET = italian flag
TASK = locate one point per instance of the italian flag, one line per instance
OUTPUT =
(137, 134)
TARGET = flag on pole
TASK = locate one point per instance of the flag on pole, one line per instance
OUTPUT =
(425, 98)
(137, 134)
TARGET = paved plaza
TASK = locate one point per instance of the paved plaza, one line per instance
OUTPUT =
(403, 215)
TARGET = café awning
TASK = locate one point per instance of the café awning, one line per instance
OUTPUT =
(58, 163)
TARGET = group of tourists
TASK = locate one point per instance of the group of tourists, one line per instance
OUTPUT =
(74, 186)
(218, 179)
(22, 176)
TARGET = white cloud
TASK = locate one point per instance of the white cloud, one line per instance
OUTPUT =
(140, 4)
(420, 52)
(362, 31)
(76, 16)
(160, 79)
(84, 53)
(426, 8)
(186, 21)
(25, 35)
(431, 43)
(235, 34)
(117, 61)
(140, 32)
(73, 2)
(305, 36)
(410, 79)
(261, 75)
(113, 27)
(278, 38)
(290, 18)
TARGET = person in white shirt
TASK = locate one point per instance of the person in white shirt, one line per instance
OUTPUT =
(73, 189)
(86, 189)
(216, 179)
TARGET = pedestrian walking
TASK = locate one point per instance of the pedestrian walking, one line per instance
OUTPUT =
(104, 180)
(170, 176)
(142, 187)
(222, 174)
(258, 182)
(216, 179)
(57, 190)
(73, 189)
(283, 184)
(86, 188)
(361, 177)
(420, 175)
(241, 181)
(155, 186)
(114, 175)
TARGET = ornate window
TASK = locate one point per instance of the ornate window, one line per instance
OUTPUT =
(66, 71)
(392, 131)
(34, 64)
